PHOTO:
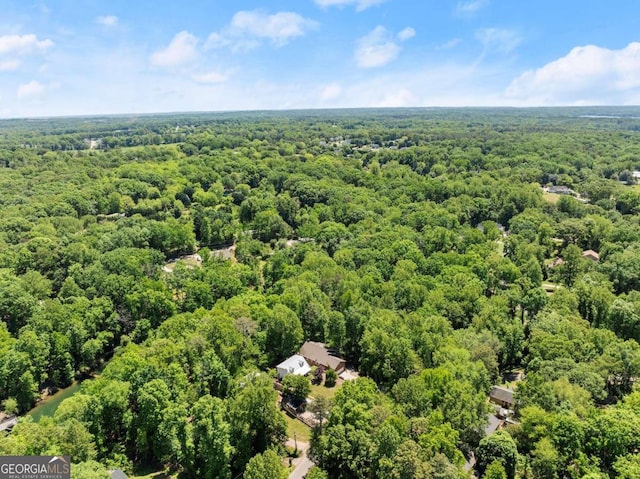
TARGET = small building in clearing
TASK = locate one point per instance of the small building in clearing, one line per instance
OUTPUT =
(502, 396)
(319, 355)
(592, 255)
(560, 190)
(296, 364)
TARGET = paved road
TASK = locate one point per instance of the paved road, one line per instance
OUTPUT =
(301, 468)
(303, 463)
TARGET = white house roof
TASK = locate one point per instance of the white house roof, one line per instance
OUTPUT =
(296, 364)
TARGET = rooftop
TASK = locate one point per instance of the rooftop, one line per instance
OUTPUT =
(502, 394)
(591, 254)
(296, 364)
(118, 474)
(320, 354)
(494, 423)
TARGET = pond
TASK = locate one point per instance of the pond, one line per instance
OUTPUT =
(48, 406)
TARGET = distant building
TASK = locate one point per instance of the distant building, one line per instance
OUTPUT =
(592, 255)
(118, 474)
(494, 423)
(294, 406)
(8, 423)
(561, 190)
(516, 375)
(555, 263)
(224, 254)
(94, 143)
(319, 355)
(192, 257)
(502, 396)
(296, 364)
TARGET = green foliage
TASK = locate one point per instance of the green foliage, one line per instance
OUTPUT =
(628, 467)
(330, 377)
(210, 439)
(89, 470)
(316, 473)
(495, 470)
(263, 465)
(256, 423)
(498, 447)
(546, 461)
(392, 256)
(283, 333)
(297, 386)
(10, 406)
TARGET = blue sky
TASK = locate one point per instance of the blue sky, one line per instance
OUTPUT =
(70, 57)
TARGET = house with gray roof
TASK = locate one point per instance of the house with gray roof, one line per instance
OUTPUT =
(502, 396)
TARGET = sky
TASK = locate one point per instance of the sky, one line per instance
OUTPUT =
(90, 57)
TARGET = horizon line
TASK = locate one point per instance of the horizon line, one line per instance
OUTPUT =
(309, 109)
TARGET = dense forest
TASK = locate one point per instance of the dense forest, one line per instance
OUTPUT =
(439, 251)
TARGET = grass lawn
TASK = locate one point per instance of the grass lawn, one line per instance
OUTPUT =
(323, 391)
(303, 433)
(551, 197)
(151, 472)
(189, 262)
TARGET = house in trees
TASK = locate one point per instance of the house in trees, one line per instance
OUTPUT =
(592, 255)
(502, 396)
(296, 364)
(493, 424)
(319, 355)
(561, 190)
(118, 474)
(8, 423)
(555, 263)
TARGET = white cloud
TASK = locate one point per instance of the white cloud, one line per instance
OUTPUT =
(248, 28)
(399, 98)
(107, 20)
(503, 40)
(586, 75)
(406, 34)
(181, 50)
(119, 84)
(331, 91)
(278, 28)
(470, 7)
(23, 44)
(448, 45)
(360, 4)
(9, 65)
(210, 77)
(30, 90)
(378, 48)
(448, 84)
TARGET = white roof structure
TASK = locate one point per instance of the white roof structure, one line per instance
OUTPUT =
(296, 364)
